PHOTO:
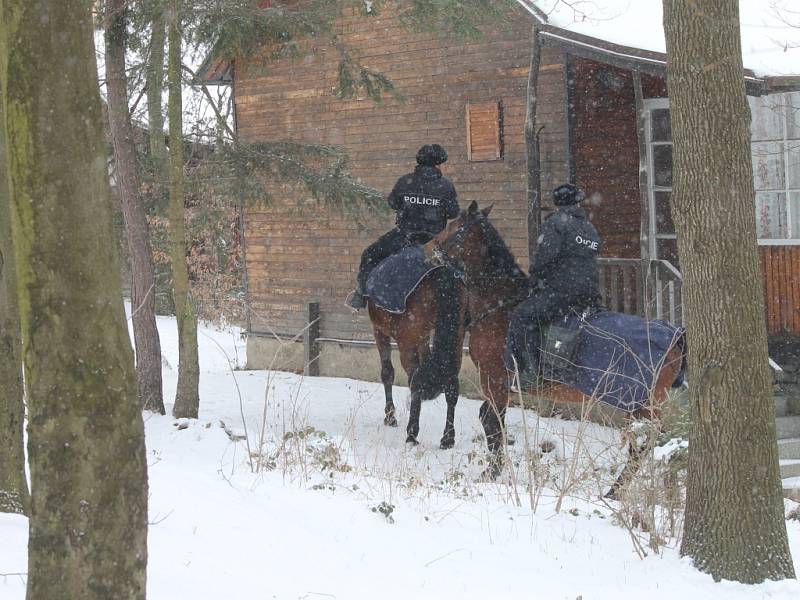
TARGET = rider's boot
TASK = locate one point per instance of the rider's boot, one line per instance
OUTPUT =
(356, 300)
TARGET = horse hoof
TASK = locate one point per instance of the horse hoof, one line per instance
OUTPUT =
(390, 421)
(412, 440)
(447, 444)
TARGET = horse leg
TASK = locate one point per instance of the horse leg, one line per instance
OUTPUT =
(411, 360)
(413, 419)
(449, 435)
(492, 415)
(451, 390)
(387, 376)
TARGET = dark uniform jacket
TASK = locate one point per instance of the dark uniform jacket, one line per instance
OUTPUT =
(424, 201)
(566, 257)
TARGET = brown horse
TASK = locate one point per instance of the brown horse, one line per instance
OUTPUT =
(495, 285)
(437, 305)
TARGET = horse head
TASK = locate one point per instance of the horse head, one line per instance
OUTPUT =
(460, 244)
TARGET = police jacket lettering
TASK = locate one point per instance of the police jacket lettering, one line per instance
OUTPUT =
(566, 257)
(424, 201)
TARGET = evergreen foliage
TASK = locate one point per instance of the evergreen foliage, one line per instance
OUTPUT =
(462, 18)
(240, 171)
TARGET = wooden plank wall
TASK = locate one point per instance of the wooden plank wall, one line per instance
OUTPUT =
(780, 271)
(605, 149)
(299, 255)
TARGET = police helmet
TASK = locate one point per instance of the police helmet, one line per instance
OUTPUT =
(431, 155)
(567, 194)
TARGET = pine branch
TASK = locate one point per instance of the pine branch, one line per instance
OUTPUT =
(242, 170)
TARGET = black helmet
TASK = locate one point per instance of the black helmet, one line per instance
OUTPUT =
(567, 194)
(431, 155)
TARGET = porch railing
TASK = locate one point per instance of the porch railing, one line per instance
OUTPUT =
(649, 289)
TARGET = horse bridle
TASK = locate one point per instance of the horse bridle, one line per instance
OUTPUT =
(439, 255)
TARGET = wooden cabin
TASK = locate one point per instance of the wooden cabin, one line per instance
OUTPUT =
(604, 109)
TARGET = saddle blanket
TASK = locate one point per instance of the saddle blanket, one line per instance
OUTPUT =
(619, 357)
(395, 278)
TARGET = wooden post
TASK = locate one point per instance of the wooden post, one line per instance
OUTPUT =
(644, 195)
(311, 340)
(532, 147)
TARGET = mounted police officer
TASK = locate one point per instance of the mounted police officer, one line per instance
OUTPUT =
(564, 275)
(424, 200)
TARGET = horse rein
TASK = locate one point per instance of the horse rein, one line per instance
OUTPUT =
(438, 255)
(441, 258)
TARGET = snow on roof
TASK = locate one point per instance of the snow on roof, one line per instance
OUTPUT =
(770, 28)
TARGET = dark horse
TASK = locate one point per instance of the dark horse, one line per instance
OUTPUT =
(495, 285)
(436, 305)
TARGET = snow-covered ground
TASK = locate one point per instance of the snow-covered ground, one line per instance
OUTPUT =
(321, 501)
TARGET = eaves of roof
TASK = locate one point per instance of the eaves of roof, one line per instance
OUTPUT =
(647, 61)
(215, 71)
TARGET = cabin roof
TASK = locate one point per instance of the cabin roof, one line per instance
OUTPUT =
(629, 34)
(215, 71)
(632, 30)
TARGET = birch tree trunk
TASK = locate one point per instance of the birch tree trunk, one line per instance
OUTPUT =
(88, 521)
(145, 332)
(735, 527)
(187, 396)
(13, 486)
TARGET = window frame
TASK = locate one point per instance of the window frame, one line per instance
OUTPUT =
(497, 107)
(651, 104)
(788, 145)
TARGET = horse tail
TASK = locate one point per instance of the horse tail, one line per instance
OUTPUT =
(442, 365)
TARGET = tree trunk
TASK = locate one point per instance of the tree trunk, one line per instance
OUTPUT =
(735, 527)
(88, 522)
(534, 183)
(143, 304)
(13, 486)
(187, 397)
(155, 87)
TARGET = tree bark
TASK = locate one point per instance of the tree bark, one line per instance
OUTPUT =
(533, 162)
(187, 396)
(735, 527)
(143, 304)
(13, 485)
(155, 88)
(88, 522)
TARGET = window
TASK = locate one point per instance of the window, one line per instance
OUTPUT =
(484, 131)
(663, 242)
(775, 130)
(775, 149)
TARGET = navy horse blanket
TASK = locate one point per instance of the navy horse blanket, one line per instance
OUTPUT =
(619, 357)
(395, 278)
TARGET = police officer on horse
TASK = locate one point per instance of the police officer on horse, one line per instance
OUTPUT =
(564, 276)
(424, 200)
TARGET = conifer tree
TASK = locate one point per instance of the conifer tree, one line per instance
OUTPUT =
(187, 395)
(129, 185)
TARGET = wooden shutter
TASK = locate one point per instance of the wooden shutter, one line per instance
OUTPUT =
(484, 131)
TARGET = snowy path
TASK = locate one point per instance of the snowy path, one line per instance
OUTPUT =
(316, 523)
